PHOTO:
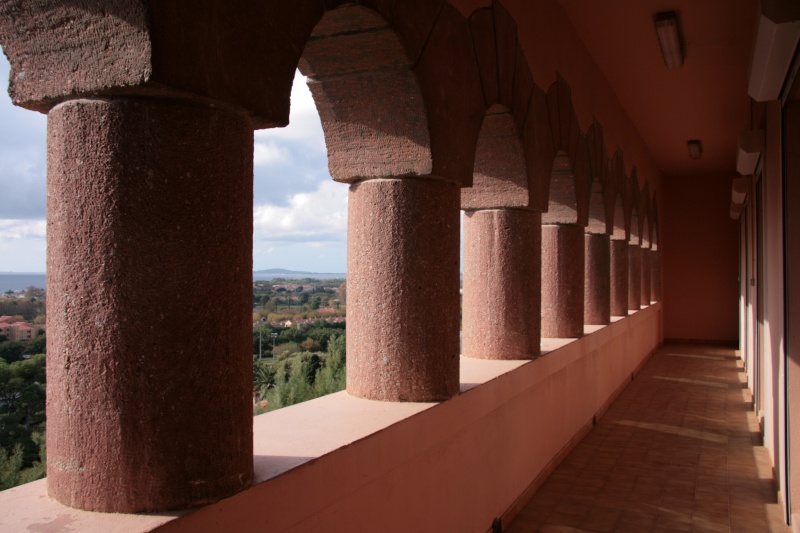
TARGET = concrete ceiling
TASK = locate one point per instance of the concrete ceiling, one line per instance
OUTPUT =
(706, 99)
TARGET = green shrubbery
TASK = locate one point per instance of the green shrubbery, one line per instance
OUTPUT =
(22, 421)
(301, 376)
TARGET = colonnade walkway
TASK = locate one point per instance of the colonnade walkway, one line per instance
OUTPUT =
(679, 450)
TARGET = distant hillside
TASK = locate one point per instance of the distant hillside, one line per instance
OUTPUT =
(272, 273)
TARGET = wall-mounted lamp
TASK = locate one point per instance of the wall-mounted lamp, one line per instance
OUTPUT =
(751, 145)
(669, 37)
(695, 148)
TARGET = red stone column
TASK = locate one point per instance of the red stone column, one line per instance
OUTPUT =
(501, 307)
(562, 280)
(634, 277)
(655, 274)
(619, 277)
(402, 289)
(597, 279)
(645, 266)
(149, 276)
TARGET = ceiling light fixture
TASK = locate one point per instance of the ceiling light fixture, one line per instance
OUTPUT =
(695, 148)
(669, 37)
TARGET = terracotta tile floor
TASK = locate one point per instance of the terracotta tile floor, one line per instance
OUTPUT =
(679, 450)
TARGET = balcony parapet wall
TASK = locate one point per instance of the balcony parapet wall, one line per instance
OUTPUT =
(340, 461)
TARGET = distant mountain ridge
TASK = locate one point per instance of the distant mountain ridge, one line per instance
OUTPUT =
(271, 273)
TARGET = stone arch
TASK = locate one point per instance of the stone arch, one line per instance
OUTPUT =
(644, 215)
(654, 221)
(506, 80)
(601, 194)
(568, 186)
(500, 178)
(368, 98)
(620, 214)
(634, 221)
(562, 198)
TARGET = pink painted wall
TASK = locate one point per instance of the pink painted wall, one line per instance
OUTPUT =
(338, 463)
(700, 250)
(454, 466)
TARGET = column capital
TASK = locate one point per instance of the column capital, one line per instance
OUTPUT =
(61, 51)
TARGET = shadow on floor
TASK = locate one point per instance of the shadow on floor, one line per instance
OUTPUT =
(679, 450)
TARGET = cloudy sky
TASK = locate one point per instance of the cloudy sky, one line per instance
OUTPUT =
(299, 213)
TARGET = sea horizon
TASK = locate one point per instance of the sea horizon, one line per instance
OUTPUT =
(19, 281)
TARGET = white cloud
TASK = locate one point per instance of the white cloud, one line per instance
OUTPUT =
(11, 229)
(266, 153)
(304, 124)
(316, 216)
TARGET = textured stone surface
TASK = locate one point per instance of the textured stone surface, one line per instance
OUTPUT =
(500, 178)
(619, 233)
(523, 88)
(53, 48)
(414, 21)
(634, 276)
(655, 272)
(346, 20)
(375, 124)
(597, 209)
(402, 290)
(563, 200)
(64, 50)
(506, 31)
(538, 146)
(646, 277)
(598, 156)
(369, 101)
(501, 305)
(244, 53)
(619, 277)
(149, 299)
(481, 25)
(597, 279)
(451, 86)
(562, 280)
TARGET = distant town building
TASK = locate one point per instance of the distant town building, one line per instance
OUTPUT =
(16, 329)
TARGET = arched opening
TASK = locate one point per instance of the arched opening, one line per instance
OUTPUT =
(619, 259)
(597, 260)
(562, 255)
(368, 98)
(501, 248)
(635, 262)
(562, 205)
(402, 221)
(299, 262)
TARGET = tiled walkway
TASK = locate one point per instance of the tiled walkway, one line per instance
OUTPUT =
(679, 450)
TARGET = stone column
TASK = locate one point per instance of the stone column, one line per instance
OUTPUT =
(634, 277)
(645, 266)
(501, 307)
(619, 277)
(562, 280)
(597, 279)
(655, 274)
(149, 279)
(402, 289)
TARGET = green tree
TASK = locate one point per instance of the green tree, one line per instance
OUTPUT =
(11, 351)
(305, 376)
(285, 350)
(10, 467)
(37, 345)
(263, 377)
(22, 418)
(332, 376)
(310, 345)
